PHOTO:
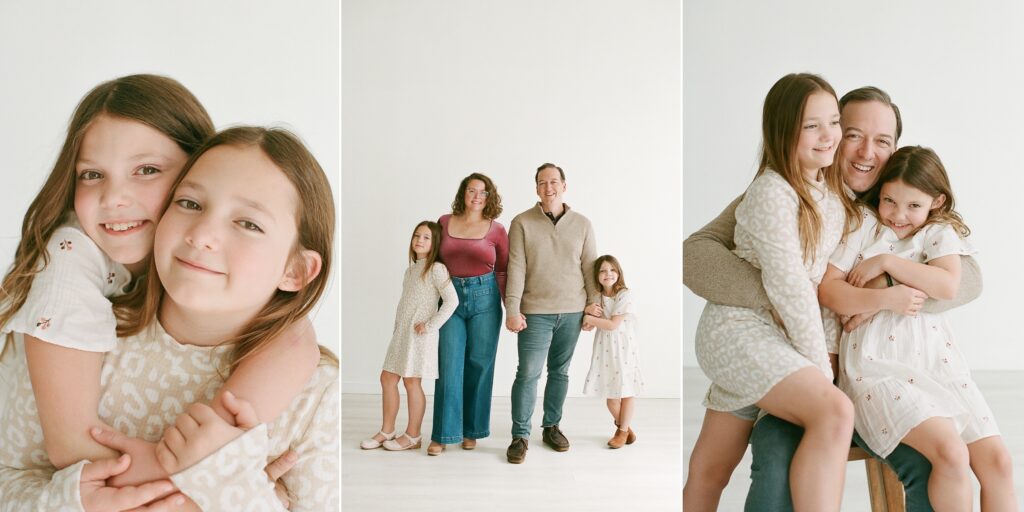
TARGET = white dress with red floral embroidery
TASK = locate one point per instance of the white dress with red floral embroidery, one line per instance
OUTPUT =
(901, 370)
(69, 302)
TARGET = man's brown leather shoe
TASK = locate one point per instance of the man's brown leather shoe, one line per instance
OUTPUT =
(516, 453)
(554, 438)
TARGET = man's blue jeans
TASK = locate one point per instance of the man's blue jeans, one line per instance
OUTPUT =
(466, 351)
(550, 338)
(772, 443)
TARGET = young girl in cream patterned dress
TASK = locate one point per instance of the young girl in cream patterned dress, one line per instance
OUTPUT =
(904, 371)
(190, 329)
(615, 361)
(789, 222)
(412, 353)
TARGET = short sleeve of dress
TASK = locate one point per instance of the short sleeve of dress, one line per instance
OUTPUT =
(623, 304)
(68, 303)
(942, 240)
(848, 252)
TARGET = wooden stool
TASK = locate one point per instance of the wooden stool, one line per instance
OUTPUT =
(884, 486)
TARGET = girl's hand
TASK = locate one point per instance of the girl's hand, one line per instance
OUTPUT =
(144, 465)
(594, 309)
(96, 495)
(199, 431)
(867, 270)
(904, 300)
(278, 468)
(420, 328)
(855, 321)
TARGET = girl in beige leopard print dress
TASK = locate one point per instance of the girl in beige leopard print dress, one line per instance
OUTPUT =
(412, 353)
(237, 259)
(790, 220)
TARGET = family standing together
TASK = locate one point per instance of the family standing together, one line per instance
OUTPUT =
(546, 272)
(839, 265)
(157, 349)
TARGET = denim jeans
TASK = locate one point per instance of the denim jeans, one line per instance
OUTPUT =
(772, 443)
(551, 338)
(466, 351)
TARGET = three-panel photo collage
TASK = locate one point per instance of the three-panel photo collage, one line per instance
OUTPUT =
(458, 255)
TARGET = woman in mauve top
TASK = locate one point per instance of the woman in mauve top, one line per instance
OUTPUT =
(474, 247)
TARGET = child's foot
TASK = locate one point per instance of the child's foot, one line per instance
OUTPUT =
(377, 440)
(631, 438)
(468, 444)
(403, 442)
(619, 439)
(435, 448)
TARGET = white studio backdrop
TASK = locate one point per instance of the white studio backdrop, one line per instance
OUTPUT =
(271, 63)
(432, 92)
(948, 69)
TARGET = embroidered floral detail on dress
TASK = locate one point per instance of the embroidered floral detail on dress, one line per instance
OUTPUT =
(868, 397)
(891, 248)
(65, 245)
(949, 344)
(945, 359)
(910, 380)
(43, 323)
(110, 278)
(885, 431)
(860, 379)
(897, 397)
(964, 385)
(892, 338)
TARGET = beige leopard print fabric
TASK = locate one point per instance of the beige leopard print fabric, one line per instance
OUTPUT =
(147, 380)
(743, 351)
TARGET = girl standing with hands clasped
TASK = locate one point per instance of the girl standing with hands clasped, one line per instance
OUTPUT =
(615, 364)
(87, 238)
(412, 354)
(788, 223)
(904, 372)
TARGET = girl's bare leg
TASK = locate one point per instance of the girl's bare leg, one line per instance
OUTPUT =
(613, 407)
(993, 466)
(719, 448)
(389, 400)
(417, 404)
(626, 414)
(949, 486)
(808, 399)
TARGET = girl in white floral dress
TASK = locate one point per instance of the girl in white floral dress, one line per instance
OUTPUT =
(789, 222)
(412, 353)
(615, 361)
(904, 372)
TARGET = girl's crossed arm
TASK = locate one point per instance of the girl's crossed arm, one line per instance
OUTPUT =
(605, 324)
(939, 278)
(845, 299)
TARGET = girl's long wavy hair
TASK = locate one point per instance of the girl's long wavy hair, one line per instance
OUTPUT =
(315, 219)
(156, 101)
(781, 121)
(435, 246)
(920, 167)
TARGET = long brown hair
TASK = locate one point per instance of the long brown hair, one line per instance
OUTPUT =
(781, 121)
(920, 167)
(315, 219)
(621, 283)
(435, 246)
(492, 209)
(156, 101)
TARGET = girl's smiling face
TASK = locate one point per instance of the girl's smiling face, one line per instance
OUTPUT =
(607, 275)
(422, 241)
(905, 209)
(225, 242)
(819, 134)
(124, 171)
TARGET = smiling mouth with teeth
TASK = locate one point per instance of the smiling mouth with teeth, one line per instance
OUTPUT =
(121, 227)
(862, 167)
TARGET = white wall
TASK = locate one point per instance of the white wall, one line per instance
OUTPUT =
(263, 63)
(433, 91)
(954, 72)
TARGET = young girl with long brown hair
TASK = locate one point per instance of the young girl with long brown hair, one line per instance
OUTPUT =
(412, 353)
(87, 239)
(791, 218)
(242, 253)
(904, 372)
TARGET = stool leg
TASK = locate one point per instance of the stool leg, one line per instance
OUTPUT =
(876, 485)
(894, 497)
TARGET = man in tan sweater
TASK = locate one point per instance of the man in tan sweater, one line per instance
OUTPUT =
(550, 283)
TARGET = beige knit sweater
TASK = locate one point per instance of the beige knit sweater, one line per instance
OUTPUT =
(550, 266)
(712, 271)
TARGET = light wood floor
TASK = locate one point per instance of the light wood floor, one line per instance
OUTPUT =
(589, 477)
(1002, 390)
